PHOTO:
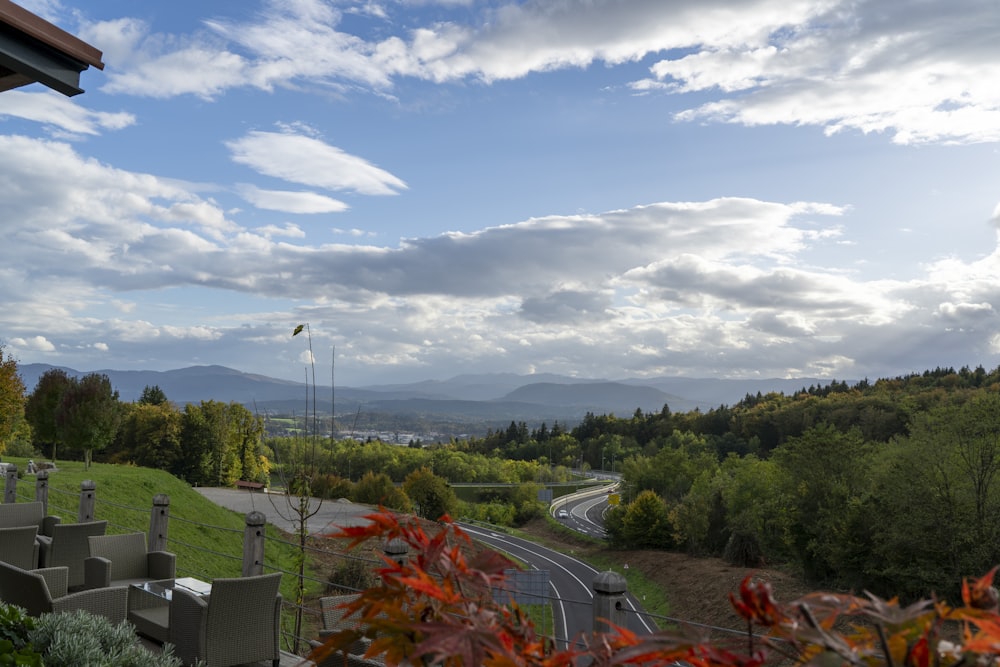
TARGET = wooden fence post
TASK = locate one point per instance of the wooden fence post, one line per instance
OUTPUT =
(158, 520)
(10, 487)
(87, 500)
(253, 544)
(42, 490)
(609, 601)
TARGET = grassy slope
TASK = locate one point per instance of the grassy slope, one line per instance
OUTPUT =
(207, 539)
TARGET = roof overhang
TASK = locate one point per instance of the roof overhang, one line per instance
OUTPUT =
(34, 50)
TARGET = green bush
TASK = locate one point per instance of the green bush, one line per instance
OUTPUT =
(71, 639)
(22, 656)
(15, 625)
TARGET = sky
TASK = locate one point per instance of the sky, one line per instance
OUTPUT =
(601, 189)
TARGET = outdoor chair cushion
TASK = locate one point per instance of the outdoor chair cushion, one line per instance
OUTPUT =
(19, 547)
(16, 515)
(69, 548)
(120, 560)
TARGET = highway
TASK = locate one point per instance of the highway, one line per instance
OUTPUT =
(571, 582)
(585, 515)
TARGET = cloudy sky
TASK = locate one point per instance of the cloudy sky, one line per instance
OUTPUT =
(596, 188)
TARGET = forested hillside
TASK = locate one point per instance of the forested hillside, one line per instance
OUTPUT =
(891, 486)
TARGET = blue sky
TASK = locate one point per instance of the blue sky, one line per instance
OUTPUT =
(600, 188)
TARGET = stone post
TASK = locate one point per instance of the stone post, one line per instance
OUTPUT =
(396, 550)
(609, 601)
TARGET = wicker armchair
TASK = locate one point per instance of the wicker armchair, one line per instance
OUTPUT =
(16, 515)
(120, 560)
(45, 590)
(19, 547)
(69, 548)
(238, 623)
(332, 614)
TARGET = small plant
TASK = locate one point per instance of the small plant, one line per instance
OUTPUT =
(353, 574)
(22, 656)
(15, 624)
(71, 639)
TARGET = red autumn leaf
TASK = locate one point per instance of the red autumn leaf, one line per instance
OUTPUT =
(980, 594)
(756, 604)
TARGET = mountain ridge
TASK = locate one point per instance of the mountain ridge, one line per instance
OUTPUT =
(495, 398)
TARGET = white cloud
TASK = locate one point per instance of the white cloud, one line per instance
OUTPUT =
(669, 287)
(291, 202)
(923, 74)
(161, 66)
(34, 343)
(64, 115)
(289, 230)
(309, 161)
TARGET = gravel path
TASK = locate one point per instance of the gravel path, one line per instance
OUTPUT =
(329, 513)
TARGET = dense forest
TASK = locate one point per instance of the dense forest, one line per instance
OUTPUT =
(889, 486)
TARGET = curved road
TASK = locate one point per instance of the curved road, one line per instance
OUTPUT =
(585, 515)
(570, 581)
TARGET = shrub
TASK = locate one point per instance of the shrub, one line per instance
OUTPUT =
(15, 648)
(353, 574)
(15, 624)
(71, 639)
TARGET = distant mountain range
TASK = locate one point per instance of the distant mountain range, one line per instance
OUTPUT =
(496, 398)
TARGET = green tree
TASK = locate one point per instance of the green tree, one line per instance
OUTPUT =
(642, 524)
(42, 405)
(246, 432)
(152, 395)
(151, 435)
(376, 488)
(935, 498)
(825, 476)
(12, 400)
(432, 494)
(757, 503)
(89, 415)
(210, 437)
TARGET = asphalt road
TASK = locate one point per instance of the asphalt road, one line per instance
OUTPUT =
(328, 514)
(586, 515)
(570, 581)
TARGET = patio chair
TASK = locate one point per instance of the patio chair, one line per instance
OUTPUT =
(18, 515)
(238, 623)
(332, 615)
(19, 547)
(120, 560)
(45, 590)
(69, 548)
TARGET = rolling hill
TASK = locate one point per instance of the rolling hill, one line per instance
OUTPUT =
(492, 399)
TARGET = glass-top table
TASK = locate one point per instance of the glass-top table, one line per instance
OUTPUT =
(149, 603)
(164, 588)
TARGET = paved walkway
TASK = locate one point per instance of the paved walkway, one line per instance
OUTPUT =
(328, 515)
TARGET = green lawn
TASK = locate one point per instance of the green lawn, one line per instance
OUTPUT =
(207, 538)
